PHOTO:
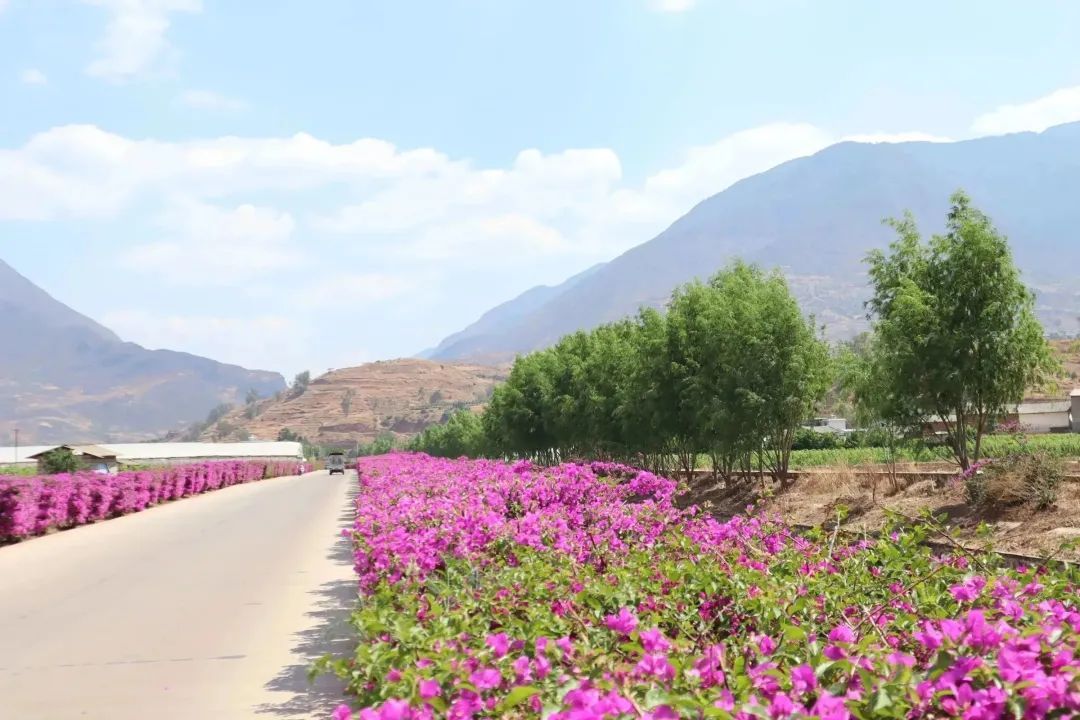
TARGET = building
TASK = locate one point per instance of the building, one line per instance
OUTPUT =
(1032, 416)
(20, 456)
(1043, 416)
(178, 453)
(833, 425)
(90, 457)
(127, 454)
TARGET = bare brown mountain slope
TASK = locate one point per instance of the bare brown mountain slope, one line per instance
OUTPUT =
(358, 404)
(65, 378)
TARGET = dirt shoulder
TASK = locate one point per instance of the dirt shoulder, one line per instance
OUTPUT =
(821, 497)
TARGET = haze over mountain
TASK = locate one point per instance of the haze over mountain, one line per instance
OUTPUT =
(65, 378)
(816, 218)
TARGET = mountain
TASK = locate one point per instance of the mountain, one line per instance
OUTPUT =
(482, 341)
(816, 218)
(65, 378)
(358, 404)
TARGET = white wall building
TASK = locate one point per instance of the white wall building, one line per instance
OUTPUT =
(171, 453)
(1044, 416)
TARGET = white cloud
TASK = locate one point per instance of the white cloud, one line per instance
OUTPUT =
(711, 168)
(82, 171)
(1060, 106)
(208, 100)
(899, 137)
(208, 245)
(486, 239)
(401, 204)
(335, 289)
(134, 39)
(33, 76)
(673, 6)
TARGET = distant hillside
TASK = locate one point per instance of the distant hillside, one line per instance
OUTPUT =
(483, 340)
(65, 378)
(816, 218)
(358, 404)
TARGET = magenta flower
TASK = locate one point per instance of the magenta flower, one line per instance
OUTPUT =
(623, 622)
(654, 641)
(429, 689)
(842, 633)
(499, 644)
(766, 645)
(657, 666)
(803, 679)
(486, 679)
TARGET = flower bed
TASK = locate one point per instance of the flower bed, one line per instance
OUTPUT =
(581, 592)
(34, 505)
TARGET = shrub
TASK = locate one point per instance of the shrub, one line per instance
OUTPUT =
(807, 439)
(60, 460)
(34, 505)
(1027, 477)
(582, 592)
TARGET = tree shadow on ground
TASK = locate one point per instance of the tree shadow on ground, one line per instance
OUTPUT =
(330, 634)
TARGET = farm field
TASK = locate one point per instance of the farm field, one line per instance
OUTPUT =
(1061, 446)
(583, 591)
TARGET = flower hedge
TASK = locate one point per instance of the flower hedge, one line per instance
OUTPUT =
(34, 505)
(581, 592)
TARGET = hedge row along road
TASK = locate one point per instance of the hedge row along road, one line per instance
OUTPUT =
(211, 607)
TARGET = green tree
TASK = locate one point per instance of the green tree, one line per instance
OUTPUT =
(748, 368)
(251, 404)
(956, 336)
(346, 400)
(462, 435)
(287, 435)
(300, 383)
(59, 460)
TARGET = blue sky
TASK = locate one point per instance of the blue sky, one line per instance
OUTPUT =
(293, 185)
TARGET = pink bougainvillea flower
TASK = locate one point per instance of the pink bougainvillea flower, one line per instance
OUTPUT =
(623, 622)
(499, 644)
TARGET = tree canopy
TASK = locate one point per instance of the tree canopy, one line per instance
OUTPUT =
(730, 371)
(955, 333)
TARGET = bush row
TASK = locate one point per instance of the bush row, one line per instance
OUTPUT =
(582, 592)
(34, 505)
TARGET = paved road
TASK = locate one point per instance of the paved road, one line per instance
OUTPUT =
(209, 608)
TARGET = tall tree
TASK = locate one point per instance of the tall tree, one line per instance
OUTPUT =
(956, 336)
(753, 367)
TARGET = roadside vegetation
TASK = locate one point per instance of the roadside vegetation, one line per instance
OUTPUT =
(39, 504)
(586, 593)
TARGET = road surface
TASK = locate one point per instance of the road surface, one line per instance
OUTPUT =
(208, 608)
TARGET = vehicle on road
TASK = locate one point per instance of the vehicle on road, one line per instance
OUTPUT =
(335, 463)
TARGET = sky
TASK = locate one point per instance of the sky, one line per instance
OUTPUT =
(310, 184)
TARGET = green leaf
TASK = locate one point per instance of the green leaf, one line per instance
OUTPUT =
(794, 634)
(517, 696)
(882, 700)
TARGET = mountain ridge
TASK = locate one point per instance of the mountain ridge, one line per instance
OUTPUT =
(816, 217)
(70, 379)
(354, 405)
